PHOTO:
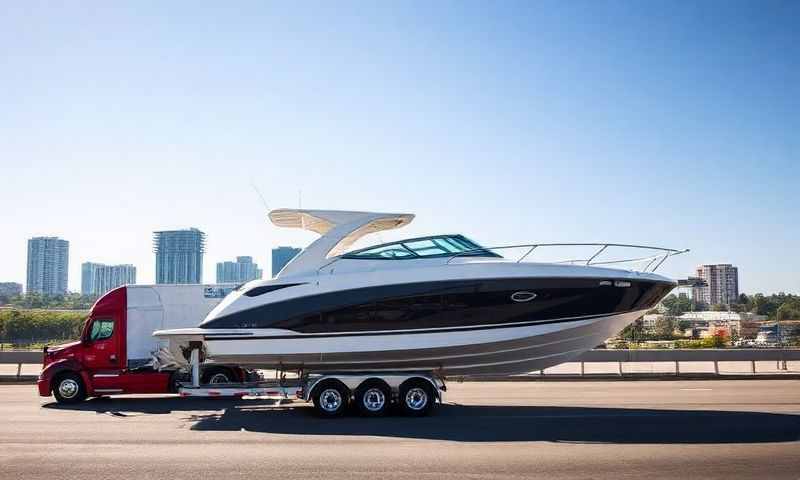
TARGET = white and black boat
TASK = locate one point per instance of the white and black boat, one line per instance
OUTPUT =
(441, 304)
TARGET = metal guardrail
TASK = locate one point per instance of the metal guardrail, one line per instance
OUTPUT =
(20, 357)
(752, 355)
(676, 356)
(692, 355)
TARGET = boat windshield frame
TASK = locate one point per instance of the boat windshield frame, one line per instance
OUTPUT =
(406, 251)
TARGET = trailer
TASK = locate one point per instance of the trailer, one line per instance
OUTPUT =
(332, 393)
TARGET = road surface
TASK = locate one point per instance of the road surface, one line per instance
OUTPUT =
(639, 429)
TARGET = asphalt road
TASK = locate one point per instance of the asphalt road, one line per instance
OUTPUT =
(640, 429)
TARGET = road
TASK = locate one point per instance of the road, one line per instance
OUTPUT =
(723, 429)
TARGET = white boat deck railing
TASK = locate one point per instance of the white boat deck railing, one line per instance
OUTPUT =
(650, 263)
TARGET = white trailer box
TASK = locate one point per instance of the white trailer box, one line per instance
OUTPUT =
(159, 307)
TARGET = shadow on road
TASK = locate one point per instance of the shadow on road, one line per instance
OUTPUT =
(474, 423)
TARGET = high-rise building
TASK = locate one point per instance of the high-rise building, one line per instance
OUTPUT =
(240, 271)
(179, 255)
(48, 264)
(281, 256)
(722, 285)
(97, 278)
(8, 290)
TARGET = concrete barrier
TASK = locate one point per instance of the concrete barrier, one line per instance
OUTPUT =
(20, 358)
(592, 356)
(676, 356)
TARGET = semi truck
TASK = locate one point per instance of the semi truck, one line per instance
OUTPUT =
(114, 354)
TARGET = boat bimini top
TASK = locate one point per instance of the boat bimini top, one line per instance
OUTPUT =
(339, 230)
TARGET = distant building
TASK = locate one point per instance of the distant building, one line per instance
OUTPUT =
(740, 324)
(97, 278)
(179, 255)
(48, 264)
(774, 333)
(281, 256)
(9, 289)
(709, 323)
(722, 285)
(240, 271)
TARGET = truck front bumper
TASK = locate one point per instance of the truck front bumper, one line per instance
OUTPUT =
(44, 387)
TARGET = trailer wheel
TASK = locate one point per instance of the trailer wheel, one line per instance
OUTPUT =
(215, 376)
(330, 398)
(417, 397)
(69, 388)
(373, 397)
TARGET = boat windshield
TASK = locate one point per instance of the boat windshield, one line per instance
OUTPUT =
(426, 247)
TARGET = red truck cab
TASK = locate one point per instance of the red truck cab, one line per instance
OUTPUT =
(98, 364)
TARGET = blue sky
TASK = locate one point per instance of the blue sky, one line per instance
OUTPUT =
(663, 123)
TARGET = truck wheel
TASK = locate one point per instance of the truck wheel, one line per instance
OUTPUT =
(216, 376)
(330, 398)
(373, 398)
(417, 397)
(69, 388)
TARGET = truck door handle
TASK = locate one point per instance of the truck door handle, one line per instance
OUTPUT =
(112, 358)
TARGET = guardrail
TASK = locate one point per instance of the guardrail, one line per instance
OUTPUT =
(752, 355)
(20, 357)
(592, 356)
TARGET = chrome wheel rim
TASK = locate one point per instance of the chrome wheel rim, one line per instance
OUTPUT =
(68, 388)
(416, 398)
(374, 399)
(330, 400)
(219, 378)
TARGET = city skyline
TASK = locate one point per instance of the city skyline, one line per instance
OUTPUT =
(85, 283)
(672, 125)
(281, 255)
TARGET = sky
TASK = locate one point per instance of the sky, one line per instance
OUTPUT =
(673, 124)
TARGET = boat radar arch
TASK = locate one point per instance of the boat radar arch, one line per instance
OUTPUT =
(339, 229)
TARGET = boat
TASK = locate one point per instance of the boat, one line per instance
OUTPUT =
(441, 304)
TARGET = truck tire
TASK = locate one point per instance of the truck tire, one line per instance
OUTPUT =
(373, 397)
(330, 398)
(215, 376)
(417, 397)
(68, 388)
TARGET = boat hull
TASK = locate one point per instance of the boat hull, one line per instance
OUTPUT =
(508, 349)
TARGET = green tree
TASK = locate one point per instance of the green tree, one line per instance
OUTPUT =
(665, 328)
(789, 310)
(633, 332)
(677, 305)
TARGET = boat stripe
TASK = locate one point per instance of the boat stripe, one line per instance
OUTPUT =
(219, 336)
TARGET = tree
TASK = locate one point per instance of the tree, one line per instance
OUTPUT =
(665, 328)
(789, 310)
(633, 331)
(718, 307)
(677, 305)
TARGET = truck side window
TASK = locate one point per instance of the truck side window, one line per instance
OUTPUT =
(101, 329)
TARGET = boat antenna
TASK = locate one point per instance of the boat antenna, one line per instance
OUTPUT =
(258, 192)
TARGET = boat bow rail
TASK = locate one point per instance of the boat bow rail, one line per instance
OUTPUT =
(597, 254)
